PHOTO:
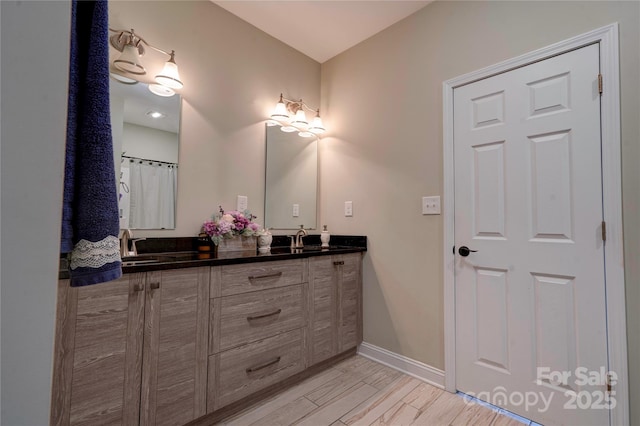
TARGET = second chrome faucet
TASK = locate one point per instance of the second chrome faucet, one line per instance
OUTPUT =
(299, 235)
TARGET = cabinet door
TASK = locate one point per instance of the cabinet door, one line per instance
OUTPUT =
(323, 312)
(98, 353)
(174, 369)
(350, 301)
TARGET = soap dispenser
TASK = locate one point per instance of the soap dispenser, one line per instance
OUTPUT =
(325, 237)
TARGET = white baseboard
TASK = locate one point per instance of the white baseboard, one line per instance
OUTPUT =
(424, 372)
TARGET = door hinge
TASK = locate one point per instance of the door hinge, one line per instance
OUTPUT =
(609, 387)
(604, 231)
(600, 90)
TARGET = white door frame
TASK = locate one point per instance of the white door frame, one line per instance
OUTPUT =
(607, 37)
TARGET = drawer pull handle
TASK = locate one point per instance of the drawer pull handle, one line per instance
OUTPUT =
(138, 287)
(265, 365)
(154, 286)
(257, 277)
(338, 263)
(276, 312)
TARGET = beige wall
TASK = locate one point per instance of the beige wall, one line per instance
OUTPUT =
(383, 103)
(233, 74)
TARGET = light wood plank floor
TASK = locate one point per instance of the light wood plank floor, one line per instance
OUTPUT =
(359, 391)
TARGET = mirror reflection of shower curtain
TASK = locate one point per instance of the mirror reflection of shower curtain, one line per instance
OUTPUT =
(153, 193)
(124, 195)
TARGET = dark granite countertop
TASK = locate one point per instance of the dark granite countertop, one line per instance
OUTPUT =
(177, 253)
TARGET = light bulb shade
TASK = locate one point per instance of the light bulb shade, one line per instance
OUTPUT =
(300, 119)
(280, 111)
(129, 61)
(305, 134)
(122, 79)
(169, 75)
(161, 90)
(288, 129)
(316, 126)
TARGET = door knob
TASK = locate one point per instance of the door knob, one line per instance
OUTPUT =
(464, 251)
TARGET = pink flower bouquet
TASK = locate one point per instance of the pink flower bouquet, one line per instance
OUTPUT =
(229, 225)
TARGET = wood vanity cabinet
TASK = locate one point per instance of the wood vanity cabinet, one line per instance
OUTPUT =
(335, 305)
(258, 319)
(170, 346)
(349, 280)
(132, 351)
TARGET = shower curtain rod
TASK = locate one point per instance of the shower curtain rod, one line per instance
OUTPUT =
(151, 161)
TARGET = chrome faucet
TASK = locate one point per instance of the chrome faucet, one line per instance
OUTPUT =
(301, 233)
(124, 242)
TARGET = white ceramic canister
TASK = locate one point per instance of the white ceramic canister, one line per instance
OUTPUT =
(264, 241)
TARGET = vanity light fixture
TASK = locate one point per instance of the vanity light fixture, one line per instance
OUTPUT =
(132, 47)
(290, 116)
(280, 112)
(124, 80)
(316, 125)
(160, 90)
(300, 119)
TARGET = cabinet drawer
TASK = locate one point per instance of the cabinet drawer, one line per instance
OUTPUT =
(250, 316)
(236, 279)
(241, 371)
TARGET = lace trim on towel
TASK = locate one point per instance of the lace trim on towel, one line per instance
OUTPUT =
(87, 254)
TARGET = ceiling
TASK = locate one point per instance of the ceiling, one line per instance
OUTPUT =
(321, 29)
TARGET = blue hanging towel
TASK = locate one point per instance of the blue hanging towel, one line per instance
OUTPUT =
(90, 223)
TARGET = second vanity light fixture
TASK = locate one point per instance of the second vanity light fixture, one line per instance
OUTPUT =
(290, 116)
(132, 47)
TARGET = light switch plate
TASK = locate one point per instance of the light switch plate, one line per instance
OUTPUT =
(296, 210)
(431, 205)
(348, 208)
(242, 203)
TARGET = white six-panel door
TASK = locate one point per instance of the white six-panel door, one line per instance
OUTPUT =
(528, 198)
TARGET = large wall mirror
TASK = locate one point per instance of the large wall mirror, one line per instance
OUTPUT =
(291, 180)
(146, 135)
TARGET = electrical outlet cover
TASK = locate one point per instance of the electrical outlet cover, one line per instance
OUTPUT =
(242, 203)
(431, 205)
